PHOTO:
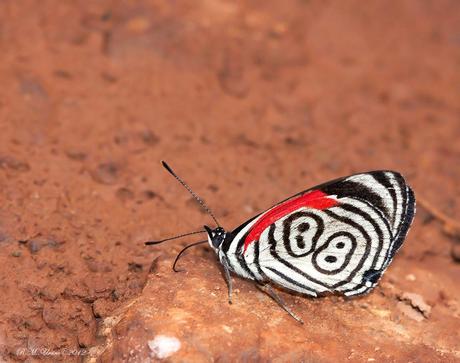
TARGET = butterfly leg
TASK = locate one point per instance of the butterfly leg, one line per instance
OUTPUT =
(270, 292)
(228, 278)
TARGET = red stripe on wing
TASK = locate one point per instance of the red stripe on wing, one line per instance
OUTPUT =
(315, 199)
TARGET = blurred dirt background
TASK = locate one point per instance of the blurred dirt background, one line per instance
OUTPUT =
(250, 102)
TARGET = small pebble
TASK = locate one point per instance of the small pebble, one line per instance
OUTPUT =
(455, 252)
(34, 246)
(417, 302)
(106, 173)
(163, 346)
(16, 254)
(124, 194)
(149, 138)
(3, 236)
(149, 194)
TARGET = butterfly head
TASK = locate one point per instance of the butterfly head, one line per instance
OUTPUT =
(215, 236)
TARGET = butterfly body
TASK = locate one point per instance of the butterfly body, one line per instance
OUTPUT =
(338, 237)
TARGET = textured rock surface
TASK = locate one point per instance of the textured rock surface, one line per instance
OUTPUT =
(387, 325)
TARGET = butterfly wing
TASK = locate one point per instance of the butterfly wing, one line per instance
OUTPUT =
(337, 237)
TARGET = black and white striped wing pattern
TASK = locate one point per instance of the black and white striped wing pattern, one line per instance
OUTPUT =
(338, 237)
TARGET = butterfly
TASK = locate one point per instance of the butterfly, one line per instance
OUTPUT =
(335, 238)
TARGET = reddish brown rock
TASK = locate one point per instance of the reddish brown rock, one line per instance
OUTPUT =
(186, 317)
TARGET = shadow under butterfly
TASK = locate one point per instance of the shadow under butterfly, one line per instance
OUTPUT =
(338, 237)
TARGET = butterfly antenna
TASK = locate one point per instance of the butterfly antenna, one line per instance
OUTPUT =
(171, 238)
(182, 251)
(198, 199)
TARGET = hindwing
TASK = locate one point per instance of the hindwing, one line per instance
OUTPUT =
(337, 237)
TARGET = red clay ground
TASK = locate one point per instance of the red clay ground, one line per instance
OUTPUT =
(250, 102)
